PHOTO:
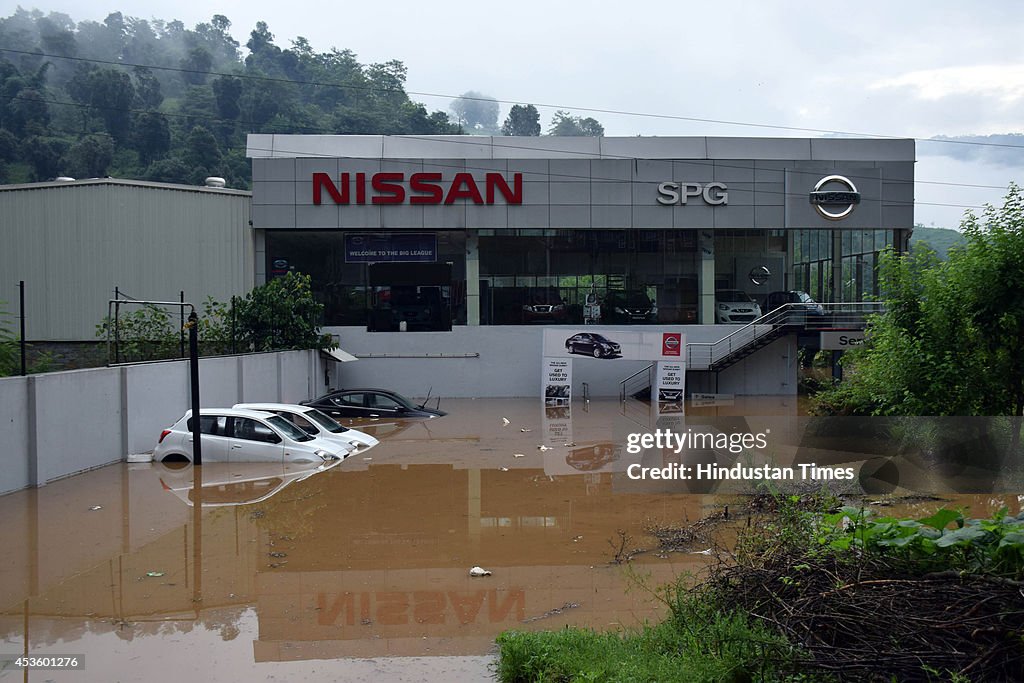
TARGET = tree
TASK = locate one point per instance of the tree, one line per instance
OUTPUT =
(44, 155)
(152, 136)
(196, 66)
(476, 111)
(90, 157)
(951, 340)
(111, 94)
(201, 153)
(227, 90)
(523, 119)
(147, 88)
(563, 123)
(282, 314)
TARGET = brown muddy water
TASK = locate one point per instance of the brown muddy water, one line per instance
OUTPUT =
(358, 572)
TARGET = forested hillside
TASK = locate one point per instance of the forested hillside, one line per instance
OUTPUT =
(939, 240)
(155, 100)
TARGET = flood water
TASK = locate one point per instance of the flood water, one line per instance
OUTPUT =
(358, 572)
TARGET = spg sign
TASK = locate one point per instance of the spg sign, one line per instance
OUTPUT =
(672, 194)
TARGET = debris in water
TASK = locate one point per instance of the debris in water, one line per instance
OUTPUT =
(504, 469)
(94, 508)
(542, 447)
(553, 612)
(576, 539)
(367, 458)
(505, 422)
(479, 571)
(708, 551)
(569, 445)
(278, 554)
(154, 574)
(518, 455)
(275, 565)
(524, 429)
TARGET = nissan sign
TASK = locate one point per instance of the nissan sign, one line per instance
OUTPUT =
(834, 204)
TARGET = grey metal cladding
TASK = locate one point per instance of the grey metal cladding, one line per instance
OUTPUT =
(615, 193)
(759, 148)
(323, 216)
(569, 170)
(401, 216)
(800, 213)
(563, 216)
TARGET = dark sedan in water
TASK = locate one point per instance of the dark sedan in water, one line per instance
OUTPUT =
(371, 403)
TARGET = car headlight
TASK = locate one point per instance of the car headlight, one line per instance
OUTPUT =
(527, 308)
(654, 310)
(723, 307)
(323, 455)
(619, 311)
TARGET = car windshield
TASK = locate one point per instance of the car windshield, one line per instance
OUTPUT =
(599, 338)
(733, 296)
(805, 297)
(288, 429)
(637, 299)
(324, 421)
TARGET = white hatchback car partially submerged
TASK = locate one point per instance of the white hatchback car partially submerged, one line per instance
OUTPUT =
(316, 423)
(234, 435)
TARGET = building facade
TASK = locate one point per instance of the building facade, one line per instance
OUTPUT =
(435, 231)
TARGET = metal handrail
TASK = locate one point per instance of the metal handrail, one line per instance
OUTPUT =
(708, 353)
(622, 384)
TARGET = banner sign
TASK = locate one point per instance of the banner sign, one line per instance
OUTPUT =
(557, 381)
(387, 247)
(609, 344)
(671, 381)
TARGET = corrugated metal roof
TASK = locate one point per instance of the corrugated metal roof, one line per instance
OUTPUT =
(122, 181)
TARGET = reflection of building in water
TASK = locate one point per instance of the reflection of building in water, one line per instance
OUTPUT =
(330, 569)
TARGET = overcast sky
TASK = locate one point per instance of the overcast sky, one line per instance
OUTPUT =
(906, 69)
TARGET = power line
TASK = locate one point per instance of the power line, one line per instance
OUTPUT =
(616, 112)
(468, 140)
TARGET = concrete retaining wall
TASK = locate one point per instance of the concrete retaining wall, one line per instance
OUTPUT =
(57, 424)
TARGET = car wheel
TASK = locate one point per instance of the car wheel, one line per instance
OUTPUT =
(598, 352)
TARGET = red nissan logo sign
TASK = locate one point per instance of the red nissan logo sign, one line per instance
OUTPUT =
(671, 343)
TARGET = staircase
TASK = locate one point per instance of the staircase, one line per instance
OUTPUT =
(787, 319)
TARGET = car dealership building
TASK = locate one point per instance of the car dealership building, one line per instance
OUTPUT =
(439, 260)
(494, 236)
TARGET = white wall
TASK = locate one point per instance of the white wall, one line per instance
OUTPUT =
(57, 424)
(509, 363)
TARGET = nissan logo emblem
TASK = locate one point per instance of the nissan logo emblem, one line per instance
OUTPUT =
(835, 205)
(672, 342)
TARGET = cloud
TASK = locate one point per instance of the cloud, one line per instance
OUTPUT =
(1001, 82)
(999, 150)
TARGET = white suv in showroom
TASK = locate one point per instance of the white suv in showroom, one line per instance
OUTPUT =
(735, 306)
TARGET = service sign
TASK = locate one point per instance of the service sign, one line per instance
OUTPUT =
(841, 340)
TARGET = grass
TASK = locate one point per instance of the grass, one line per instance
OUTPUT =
(867, 599)
(696, 643)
